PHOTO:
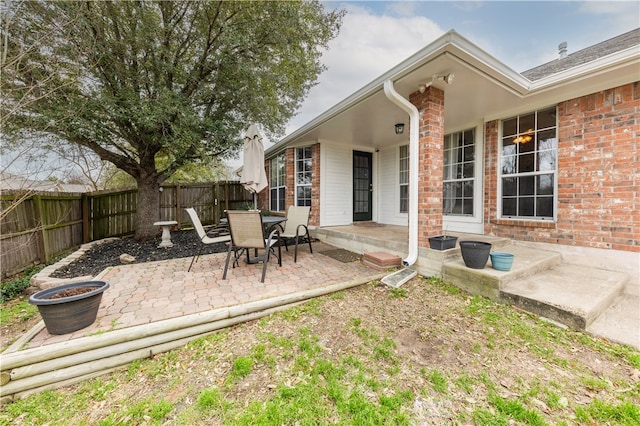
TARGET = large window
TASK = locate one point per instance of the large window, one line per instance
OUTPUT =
(528, 165)
(404, 178)
(459, 173)
(276, 184)
(304, 175)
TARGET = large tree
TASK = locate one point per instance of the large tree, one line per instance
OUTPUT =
(136, 81)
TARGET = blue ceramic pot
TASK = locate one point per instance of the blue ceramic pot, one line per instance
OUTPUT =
(501, 261)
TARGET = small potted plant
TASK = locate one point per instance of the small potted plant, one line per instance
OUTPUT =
(69, 307)
(442, 242)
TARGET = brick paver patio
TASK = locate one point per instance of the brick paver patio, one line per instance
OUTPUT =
(149, 292)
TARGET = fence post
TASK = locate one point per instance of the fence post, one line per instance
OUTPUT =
(226, 194)
(216, 203)
(86, 231)
(178, 215)
(41, 235)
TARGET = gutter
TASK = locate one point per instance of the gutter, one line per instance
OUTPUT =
(414, 119)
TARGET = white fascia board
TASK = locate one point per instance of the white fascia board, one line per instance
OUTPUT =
(451, 42)
(472, 55)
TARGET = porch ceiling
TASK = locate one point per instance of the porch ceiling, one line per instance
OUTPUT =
(483, 89)
(371, 121)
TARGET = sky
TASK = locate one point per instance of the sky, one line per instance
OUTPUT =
(377, 35)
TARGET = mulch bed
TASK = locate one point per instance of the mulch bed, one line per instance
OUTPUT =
(96, 259)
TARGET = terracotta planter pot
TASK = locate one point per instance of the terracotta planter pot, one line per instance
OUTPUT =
(69, 313)
(475, 253)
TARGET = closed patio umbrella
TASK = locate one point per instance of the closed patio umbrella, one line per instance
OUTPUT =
(253, 176)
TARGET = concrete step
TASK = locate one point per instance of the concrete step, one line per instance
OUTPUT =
(488, 281)
(570, 294)
(497, 243)
(620, 322)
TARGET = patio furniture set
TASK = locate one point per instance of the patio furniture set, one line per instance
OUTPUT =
(246, 230)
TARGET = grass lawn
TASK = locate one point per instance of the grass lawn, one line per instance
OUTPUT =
(426, 353)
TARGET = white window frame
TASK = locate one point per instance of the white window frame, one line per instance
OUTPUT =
(403, 178)
(471, 224)
(453, 161)
(554, 171)
(301, 174)
(277, 183)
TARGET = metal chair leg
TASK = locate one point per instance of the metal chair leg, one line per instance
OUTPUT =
(226, 264)
(265, 262)
(195, 258)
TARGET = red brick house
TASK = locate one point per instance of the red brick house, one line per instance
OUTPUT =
(549, 156)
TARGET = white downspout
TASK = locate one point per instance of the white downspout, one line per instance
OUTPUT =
(414, 120)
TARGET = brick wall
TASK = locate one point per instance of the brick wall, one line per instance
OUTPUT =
(315, 186)
(290, 177)
(598, 175)
(290, 195)
(263, 196)
(430, 104)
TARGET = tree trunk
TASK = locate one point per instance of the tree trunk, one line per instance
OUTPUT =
(148, 209)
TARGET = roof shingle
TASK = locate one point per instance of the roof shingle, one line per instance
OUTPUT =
(588, 54)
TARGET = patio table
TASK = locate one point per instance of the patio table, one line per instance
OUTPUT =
(267, 221)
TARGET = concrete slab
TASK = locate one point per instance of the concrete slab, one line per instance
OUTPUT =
(398, 278)
(620, 323)
(573, 295)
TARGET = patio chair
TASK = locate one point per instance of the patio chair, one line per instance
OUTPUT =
(247, 232)
(297, 227)
(220, 234)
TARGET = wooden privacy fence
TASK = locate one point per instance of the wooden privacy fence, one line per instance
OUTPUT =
(39, 227)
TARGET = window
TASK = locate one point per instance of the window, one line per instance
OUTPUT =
(528, 165)
(459, 173)
(303, 176)
(276, 183)
(404, 178)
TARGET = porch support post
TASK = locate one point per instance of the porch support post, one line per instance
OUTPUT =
(431, 162)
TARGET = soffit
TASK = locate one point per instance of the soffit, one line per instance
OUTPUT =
(483, 89)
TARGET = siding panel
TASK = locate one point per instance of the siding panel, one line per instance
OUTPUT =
(337, 185)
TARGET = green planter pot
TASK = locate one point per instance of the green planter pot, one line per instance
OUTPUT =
(70, 313)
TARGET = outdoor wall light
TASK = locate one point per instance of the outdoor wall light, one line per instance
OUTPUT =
(447, 78)
(399, 128)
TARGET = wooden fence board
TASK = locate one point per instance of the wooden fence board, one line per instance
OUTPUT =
(40, 226)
